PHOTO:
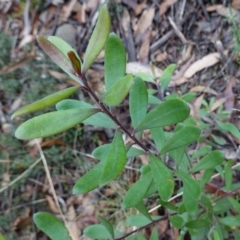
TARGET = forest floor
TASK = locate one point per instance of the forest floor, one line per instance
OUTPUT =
(201, 37)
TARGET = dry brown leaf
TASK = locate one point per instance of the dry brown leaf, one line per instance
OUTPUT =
(136, 67)
(144, 49)
(217, 104)
(16, 65)
(136, 7)
(73, 228)
(52, 204)
(91, 5)
(229, 95)
(228, 13)
(213, 8)
(165, 5)
(203, 89)
(52, 142)
(195, 106)
(186, 55)
(205, 62)
(22, 221)
(160, 56)
(57, 75)
(178, 78)
(5, 179)
(144, 23)
(80, 10)
(27, 39)
(236, 4)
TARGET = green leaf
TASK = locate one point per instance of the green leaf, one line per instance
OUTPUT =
(89, 181)
(154, 234)
(211, 160)
(138, 101)
(166, 76)
(166, 113)
(229, 127)
(191, 191)
(163, 178)
(98, 231)
(202, 151)
(158, 137)
(234, 203)
(115, 95)
(50, 225)
(115, 60)
(183, 137)
(137, 191)
(140, 220)
(57, 49)
(231, 221)
(143, 209)
(177, 221)
(107, 225)
(52, 123)
(228, 176)
(198, 223)
(98, 38)
(101, 152)
(2, 237)
(45, 102)
(168, 205)
(98, 119)
(188, 97)
(115, 160)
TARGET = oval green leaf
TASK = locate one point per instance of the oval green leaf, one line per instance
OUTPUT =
(98, 38)
(65, 49)
(115, 60)
(177, 221)
(115, 160)
(52, 123)
(115, 95)
(50, 225)
(191, 191)
(89, 181)
(163, 178)
(143, 210)
(138, 101)
(198, 223)
(107, 225)
(101, 151)
(98, 231)
(183, 137)
(56, 49)
(45, 102)
(166, 113)
(98, 119)
(137, 191)
(166, 76)
(211, 160)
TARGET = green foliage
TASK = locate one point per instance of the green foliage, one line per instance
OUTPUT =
(54, 228)
(115, 60)
(169, 159)
(98, 39)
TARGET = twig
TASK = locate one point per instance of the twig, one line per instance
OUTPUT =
(139, 229)
(20, 176)
(51, 183)
(113, 117)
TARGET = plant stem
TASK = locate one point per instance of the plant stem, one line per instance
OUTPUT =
(113, 117)
(139, 229)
